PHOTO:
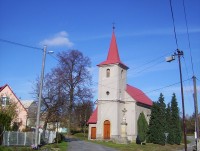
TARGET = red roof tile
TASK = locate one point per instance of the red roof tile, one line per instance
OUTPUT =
(93, 117)
(113, 55)
(138, 95)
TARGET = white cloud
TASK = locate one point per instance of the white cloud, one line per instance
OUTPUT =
(59, 39)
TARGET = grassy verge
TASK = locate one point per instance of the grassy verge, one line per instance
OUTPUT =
(134, 146)
(62, 146)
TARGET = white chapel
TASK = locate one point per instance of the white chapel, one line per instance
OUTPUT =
(119, 104)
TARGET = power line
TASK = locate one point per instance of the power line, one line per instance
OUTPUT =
(19, 44)
(188, 37)
(149, 67)
(173, 24)
(155, 59)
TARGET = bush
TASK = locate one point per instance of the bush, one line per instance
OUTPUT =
(59, 138)
(142, 127)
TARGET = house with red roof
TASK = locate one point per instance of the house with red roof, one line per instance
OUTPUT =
(7, 96)
(117, 102)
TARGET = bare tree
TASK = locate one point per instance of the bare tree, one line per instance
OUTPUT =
(75, 79)
(65, 87)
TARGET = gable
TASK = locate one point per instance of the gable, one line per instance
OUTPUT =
(138, 95)
(8, 91)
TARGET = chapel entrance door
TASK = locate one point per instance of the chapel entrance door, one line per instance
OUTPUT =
(106, 130)
(93, 133)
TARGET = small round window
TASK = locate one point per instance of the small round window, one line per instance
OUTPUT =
(107, 92)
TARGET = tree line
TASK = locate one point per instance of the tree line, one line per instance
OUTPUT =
(164, 124)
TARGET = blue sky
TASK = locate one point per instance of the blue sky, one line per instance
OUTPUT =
(144, 32)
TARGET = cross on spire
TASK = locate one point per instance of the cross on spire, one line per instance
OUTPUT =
(113, 27)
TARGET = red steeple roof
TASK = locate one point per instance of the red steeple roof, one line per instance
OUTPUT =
(113, 55)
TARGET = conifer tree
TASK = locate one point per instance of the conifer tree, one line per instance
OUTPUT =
(169, 123)
(161, 120)
(153, 124)
(176, 125)
(157, 123)
(142, 127)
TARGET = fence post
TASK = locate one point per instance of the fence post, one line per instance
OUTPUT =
(39, 138)
(17, 137)
(24, 138)
(4, 138)
(9, 138)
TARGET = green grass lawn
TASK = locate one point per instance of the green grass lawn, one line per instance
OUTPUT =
(62, 146)
(134, 146)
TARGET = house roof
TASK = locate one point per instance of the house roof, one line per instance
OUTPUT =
(2, 87)
(93, 117)
(6, 85)
(138, 95)
(113, 54)
(27, 103)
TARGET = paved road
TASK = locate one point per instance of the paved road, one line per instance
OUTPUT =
(190, 146)
(79, 145)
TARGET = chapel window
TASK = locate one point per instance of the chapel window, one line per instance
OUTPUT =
(107, 92)
(108, 73)
(122, 74)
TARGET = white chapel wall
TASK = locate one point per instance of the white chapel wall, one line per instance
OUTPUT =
(130, 116)
(108, 110)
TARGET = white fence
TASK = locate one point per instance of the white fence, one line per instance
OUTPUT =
(27, 138)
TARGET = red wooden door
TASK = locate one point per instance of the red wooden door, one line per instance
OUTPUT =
(93, 133)
(106, 129)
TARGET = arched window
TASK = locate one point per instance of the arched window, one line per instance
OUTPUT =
(108, 73)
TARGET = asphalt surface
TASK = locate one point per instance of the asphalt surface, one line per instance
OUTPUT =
(79, 145)
(190, 145)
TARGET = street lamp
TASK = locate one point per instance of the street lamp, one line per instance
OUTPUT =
(169, 59)
(40, 95)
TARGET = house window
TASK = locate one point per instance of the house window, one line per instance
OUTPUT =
(108, 73)
(122, 74)
(4, 101)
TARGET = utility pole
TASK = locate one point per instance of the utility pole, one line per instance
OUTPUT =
(180, 53)
(196, 111)
(169, 59)
(40, 97)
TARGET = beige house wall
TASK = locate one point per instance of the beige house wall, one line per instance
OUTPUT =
(20, 110)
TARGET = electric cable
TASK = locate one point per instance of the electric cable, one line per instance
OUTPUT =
(188, 37)
(19, 44)
(173, 24)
